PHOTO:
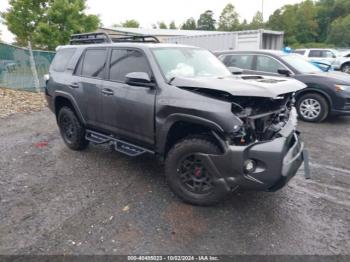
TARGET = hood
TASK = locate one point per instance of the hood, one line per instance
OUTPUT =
(336, 77)
(254, 86)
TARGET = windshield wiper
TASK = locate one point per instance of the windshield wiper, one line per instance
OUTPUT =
(171, 80)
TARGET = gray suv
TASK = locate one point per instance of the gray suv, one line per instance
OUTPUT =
(214, 131)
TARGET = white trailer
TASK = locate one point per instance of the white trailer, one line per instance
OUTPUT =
(240, 40)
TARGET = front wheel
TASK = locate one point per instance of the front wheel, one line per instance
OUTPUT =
(188, 176)
(312, 107)
(346, 68)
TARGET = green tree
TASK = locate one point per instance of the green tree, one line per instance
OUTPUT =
(48, 23)
(310, 21)
(275, 20)
(172, 25)
(162, 25)
(340, 8)
(339, 34)
(327, 12)
(257, 21)
(229, 19)
(206, 21)
(244, 25)
(285, 19)
(323, 18)
(132, 23)
(190, 24)
(62, 19)
(307, 26)
(23, 17)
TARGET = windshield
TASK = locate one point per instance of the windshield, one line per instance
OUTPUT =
(189, 62)
(300, 64)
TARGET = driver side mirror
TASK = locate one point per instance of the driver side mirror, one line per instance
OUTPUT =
(235, 70)
(139, 79)
(284, 72)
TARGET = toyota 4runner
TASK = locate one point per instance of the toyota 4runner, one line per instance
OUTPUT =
(215, 132)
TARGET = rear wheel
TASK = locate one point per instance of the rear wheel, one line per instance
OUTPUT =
(72, 131)
(188, 176)
(312, 107)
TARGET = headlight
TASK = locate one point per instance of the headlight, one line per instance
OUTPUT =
(339, 88)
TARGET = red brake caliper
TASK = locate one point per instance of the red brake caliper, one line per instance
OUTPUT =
(197, 172)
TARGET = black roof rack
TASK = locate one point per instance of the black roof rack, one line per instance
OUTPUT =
(102, 37)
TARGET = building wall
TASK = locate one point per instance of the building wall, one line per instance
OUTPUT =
(244, 40)
(216, 41)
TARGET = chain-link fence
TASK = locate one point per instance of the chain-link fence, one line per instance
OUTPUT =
(15, 68)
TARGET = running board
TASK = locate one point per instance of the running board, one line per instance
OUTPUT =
(118, 145)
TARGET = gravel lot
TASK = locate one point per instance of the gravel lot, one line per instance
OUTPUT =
(56, 201)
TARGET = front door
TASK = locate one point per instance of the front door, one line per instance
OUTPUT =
(267, 65)
(128, 110)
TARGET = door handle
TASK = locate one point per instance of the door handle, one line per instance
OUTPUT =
(74, 85)
(107, 92)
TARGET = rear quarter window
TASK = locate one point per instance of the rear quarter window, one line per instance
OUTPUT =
(62, 58)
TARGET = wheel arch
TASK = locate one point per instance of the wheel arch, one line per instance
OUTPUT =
(345, 63)
(179, 126)
(64, 99)
(303, 92)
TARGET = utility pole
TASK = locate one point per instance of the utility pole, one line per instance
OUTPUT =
(33, 68)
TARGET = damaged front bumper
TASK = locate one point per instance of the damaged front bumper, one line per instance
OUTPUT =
(275, 161)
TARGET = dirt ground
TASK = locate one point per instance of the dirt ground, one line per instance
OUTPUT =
(57, 201)
(14, 101)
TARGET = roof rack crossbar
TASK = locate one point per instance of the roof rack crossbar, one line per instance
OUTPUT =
(102, 37)
(97, 37)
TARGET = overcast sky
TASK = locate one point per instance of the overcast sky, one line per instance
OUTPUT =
(149, 12)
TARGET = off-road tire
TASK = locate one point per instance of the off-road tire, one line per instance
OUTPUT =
(76, 138)
(185, 147)
(324, 107)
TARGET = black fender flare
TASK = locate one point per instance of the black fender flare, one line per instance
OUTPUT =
(178, 117)
(72, 100)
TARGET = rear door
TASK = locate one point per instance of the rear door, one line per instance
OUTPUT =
(128, 111)
(89, 75)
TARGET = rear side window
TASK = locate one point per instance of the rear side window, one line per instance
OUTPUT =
(62, 59)
(328, 54)
(315, 53)
(240, 61)
(125, 61)
(94, 62)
